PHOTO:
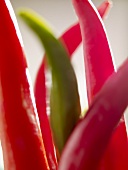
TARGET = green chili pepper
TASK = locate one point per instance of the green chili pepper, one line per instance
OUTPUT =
(65, 104)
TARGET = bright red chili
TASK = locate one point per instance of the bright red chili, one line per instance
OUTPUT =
(21, 138)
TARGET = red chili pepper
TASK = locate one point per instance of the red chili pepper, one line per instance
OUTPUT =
(98, 60)
(104, 8)
(90, 138)
(22, 144)
(72, 37)
(99, 66)
(40, 96)
(72, 42)
(116, 158)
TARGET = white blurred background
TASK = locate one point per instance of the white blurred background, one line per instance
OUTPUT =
(60, 14)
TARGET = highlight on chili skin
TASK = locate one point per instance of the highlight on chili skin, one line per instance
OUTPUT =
(67, 138)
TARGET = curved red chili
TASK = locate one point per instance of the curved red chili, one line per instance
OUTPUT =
(99, 66)
(21, 139)
(90, 138)
(97, 54)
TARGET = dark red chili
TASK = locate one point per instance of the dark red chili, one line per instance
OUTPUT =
(90, 138)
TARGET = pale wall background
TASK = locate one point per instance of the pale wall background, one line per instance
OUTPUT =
(61, 15)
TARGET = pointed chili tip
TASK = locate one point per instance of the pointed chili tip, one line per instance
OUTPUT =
(108, 2)
(106, 6)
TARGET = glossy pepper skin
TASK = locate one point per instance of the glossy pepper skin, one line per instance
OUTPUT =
(64, 97)
(116, 154)
(21, 138)
(40, 97)
(71, 42)
(101, 110)
(97, 52)
(98, 67)
(90, 138)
